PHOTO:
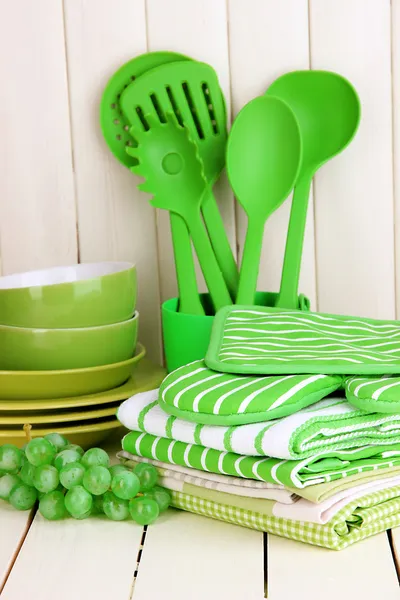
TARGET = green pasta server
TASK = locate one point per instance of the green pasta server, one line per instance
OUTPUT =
(174, 175)
(190, 90)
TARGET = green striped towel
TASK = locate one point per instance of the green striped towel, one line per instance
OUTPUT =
(263, 340)
(324, 428)
(196, 393)
(358, 520)
(290, 473)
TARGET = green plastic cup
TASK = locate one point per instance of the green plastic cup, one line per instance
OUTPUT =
(186, 337)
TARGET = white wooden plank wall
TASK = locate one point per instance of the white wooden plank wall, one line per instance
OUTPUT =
(63, 197)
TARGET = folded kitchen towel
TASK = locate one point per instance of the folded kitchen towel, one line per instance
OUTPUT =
(379, 394)
(327, 427)
(195, 393)
(266, 340)
(290, 473)
(295, 508)
(176, 477)
(359, 519)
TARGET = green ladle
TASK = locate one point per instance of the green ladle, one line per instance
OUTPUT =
(191, 91)
(174, 175)
(327, 109)
(263, 160)
(115, 128)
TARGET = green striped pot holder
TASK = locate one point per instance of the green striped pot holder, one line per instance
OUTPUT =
(195, 393)
(377, 394)
(271, 341)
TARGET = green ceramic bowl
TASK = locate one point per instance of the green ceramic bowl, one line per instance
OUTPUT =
(85, 295)
(24, 349)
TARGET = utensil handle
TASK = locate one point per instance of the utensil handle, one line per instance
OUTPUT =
(288, 293)
(250, 262)
(189, 299)
(220, 243)
(208, 263)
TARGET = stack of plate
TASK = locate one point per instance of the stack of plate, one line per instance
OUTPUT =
(68, 351)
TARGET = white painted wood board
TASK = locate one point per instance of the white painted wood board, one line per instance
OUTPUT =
(354, 192)
(189, 556)
(365, 570)
(37, 205)
(13, 527)
(267, 39)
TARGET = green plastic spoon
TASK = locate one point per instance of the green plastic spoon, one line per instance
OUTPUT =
(115, 128)
(191, 91)
(263, 161)
(174, 175)
(327, 109)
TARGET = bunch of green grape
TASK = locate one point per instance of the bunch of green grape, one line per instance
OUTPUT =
(68, 481)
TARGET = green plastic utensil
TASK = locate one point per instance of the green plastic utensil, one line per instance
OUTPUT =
(191, 91)
(174, 175)
(115, 128)
(263, 160)
(327, 109)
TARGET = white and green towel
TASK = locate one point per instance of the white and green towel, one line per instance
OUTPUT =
(317, 469)
(265, 340)
(195, 393)
(325, 428)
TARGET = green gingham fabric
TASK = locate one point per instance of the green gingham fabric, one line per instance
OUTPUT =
(360, 519)
(378, 394)
(265, 340)
(195, 393)
(290, 473)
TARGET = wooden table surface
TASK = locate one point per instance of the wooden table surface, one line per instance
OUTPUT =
(183, 557)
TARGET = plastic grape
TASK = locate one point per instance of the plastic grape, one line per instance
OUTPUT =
(78, 502)
(65, 457)
(97, 480)
(75, 447)
(115, 508)
(10, 458)
(59, 441)
(143, 510)
(148, 476)
(40, 452)
(46, 478)
(117, 469)
(85, 515)
(95, 457)
(72, 474)
(52, 507)
(161, 496)
(97, 506)
(125, 485)
(23, 497)
(27, 472)
(7, 483)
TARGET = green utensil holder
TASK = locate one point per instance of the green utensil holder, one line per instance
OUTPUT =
(186, 337)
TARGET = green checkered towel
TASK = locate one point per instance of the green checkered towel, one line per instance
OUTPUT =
(358, 520)
(290, 473)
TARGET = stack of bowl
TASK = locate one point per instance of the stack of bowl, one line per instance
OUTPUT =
(68, 347)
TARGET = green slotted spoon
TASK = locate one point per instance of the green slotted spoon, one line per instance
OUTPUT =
(173, 171)
(263, 160)
(191, 91)
(327, 109)
(115, 128)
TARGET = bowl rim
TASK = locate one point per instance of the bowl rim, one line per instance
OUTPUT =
(140, 353)
(118, 266)
(47, 330)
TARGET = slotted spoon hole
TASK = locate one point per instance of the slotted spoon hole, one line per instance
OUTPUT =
(189, 99)
(210, 107)
(113, 105)
(142, 118)
(126, 127)
(174, 105)
(157, 108)
(116, 122)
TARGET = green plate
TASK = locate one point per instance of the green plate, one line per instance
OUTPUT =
(64, 384)
(87, 434)
(146, 376)
(37, 417)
